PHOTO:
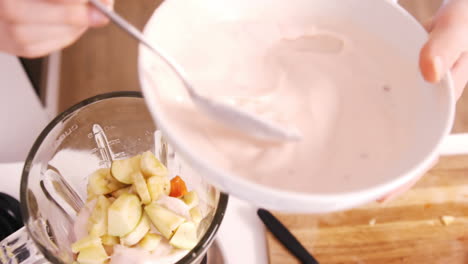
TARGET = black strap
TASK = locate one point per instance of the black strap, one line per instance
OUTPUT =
(10, 215)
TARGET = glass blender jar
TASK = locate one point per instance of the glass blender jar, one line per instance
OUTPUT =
(82, 139)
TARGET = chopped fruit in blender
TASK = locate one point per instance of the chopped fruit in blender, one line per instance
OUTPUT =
(158, 186)
(138, 233)
(151, 166)
(191, 199)
(150, 242)
(196, 215)
(89, 241)
(109, 250)
(124, 215)
(129, 207)
(123, 169)
(102, 182)
(178, 187)
(129, 190)
(97, 223)
(185, 237)
(90, 195)
(141, 188)
(176, 205)
(110, 240)
(164, 219)
(93, 255)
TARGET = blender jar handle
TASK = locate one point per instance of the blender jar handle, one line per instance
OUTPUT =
(20, 248)
(454, 144)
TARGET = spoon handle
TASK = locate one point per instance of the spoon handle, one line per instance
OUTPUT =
(122, 23)
(285, 237)
(138, 35)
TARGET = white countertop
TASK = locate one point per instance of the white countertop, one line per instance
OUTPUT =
(241, 235)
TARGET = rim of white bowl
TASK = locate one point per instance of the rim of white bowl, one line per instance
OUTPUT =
(289, 201)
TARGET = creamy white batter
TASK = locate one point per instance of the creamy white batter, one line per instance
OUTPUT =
(335, 85)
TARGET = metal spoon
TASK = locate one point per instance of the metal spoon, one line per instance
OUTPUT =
(238, 119)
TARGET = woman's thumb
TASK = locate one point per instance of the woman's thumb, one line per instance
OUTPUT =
(447, 41)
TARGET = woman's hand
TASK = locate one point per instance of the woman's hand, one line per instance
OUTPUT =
(446, 49)
(34, 28)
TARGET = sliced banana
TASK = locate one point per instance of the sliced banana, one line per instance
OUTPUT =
(102, 182)
(90, 195)
(141, 188)
(151, 166)
(97, 223)
(122, 169)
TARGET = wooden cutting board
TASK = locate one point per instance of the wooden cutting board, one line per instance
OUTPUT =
(409, 229)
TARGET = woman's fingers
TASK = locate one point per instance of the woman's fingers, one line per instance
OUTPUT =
(448, 40)
(47, 46)
(26, 34)
(47, 12)
(28, 40)
(66, 1)
(94, 11)
(33, 28)
(428, 25)
(460, 74)
(109, 3)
